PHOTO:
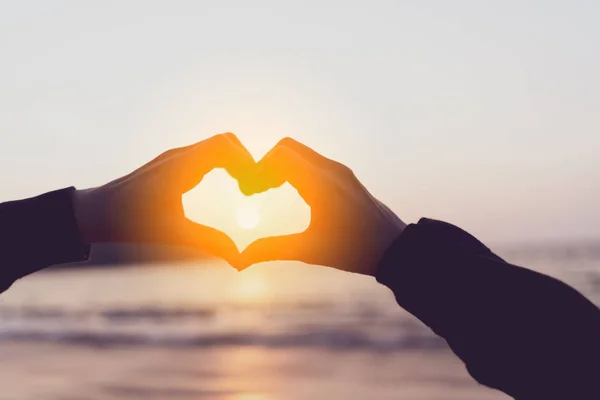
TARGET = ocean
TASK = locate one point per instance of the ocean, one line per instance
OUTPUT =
(205, 331)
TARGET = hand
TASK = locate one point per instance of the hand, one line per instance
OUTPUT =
(145, 206)
(349, 229)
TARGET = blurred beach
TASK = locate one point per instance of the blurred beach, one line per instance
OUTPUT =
(275, 331)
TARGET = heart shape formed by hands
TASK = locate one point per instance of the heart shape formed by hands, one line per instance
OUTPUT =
(349, 229)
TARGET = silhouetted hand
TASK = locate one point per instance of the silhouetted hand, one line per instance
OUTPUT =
(349, 230)
(146, 207)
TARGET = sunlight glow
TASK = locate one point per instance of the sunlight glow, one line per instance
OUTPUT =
(248, 217)
(251, 287)
(249, 397)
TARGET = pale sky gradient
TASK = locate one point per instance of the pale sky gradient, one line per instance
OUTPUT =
(485, 114)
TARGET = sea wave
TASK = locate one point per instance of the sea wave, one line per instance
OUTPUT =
(155, 313)
(328, 339)
(302, 327)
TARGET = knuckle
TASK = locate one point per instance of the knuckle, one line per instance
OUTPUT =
(287, 141)
(282, 153)
(167, 155)
(230, 136)
(344, 170)
(219, 141)
(222, 137)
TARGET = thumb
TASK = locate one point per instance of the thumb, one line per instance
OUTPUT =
(211, 241)
(274, 248)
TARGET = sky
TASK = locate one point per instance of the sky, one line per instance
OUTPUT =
(484, 114)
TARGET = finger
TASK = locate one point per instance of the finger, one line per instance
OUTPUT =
(231, 136)
(240, 171)
(310, 154)
(280, 165)
(169, 154)
(172, 153)
(211, 241)
(220, 151)
(275, 248)
(304, 150)
(226, 151)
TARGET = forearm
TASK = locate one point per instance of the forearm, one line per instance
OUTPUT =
(38, 232)
(519, 331)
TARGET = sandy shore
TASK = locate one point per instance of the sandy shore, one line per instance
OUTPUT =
(52, 371)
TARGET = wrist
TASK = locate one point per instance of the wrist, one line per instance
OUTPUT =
(87, 214)
(388, 236)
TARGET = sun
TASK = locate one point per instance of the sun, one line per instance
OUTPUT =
(248, 217)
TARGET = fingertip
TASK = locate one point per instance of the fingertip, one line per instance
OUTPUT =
(224, 247)
(263, 250)
(259, 181)
(233, 137)
(237, 265)
(236, 159)
(246, 188)
(246, 259)
(242, 268)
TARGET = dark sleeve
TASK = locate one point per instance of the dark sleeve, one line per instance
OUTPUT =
(36, 233)
(519, 331)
